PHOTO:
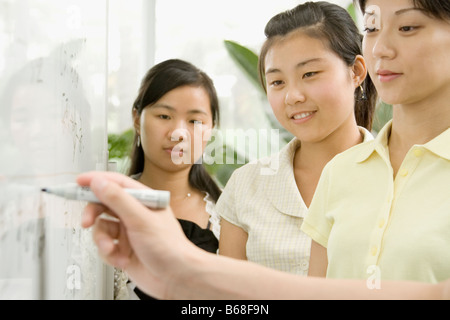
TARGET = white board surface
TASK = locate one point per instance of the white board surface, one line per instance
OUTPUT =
(53, 62)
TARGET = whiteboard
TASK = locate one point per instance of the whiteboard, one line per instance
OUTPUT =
(53, 62)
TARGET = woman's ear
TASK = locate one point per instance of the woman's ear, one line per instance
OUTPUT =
(359, 69)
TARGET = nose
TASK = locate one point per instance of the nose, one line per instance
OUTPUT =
(294, 95)
(383, 46)
(179, 132)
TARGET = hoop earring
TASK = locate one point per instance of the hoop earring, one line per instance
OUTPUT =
(138, 143)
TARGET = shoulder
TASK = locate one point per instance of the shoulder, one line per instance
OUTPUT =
(251, 179)
(354, 154)
(345, 163)
(270, 166)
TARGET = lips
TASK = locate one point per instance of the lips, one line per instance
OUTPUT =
(173, 149)
(178, 150)
(170, 150)
(387, 75)
(301, 117)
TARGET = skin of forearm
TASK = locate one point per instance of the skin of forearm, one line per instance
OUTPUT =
(215, 277)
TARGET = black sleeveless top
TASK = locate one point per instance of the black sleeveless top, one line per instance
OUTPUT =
(202, 238)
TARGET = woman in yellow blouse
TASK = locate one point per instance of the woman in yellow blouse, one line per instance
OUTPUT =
(383, 208)
(314, 76)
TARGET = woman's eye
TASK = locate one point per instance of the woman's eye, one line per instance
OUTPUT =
(164, 117)
(276, 83)
(407, 28)
(309, 74)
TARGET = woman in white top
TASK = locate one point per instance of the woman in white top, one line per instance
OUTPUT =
(316, 82)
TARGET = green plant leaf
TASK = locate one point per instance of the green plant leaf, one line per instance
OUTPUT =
(351, 10)
(119, 145)
(246, 59)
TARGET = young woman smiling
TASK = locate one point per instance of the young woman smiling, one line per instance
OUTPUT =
(314, 74)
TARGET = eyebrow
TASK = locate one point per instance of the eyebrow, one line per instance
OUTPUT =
(299, 65)
(399, 12)
(172, 109)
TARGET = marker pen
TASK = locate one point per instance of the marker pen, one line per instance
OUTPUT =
(156, 199)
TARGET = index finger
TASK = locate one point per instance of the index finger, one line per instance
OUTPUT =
(109, 189)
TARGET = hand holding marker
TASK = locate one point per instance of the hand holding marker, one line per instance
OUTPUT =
(155, 199)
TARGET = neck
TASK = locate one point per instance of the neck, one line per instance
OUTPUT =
(311, 158)
(177, 182)
(417, 124)
(420, 122)
(318, 154)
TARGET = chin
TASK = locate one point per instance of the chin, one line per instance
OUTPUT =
(391, 98)
(396, 95)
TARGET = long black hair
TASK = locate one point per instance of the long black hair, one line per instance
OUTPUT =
(332, 23)
(159, 80)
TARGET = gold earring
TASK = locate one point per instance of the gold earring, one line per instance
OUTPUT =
(363, 93)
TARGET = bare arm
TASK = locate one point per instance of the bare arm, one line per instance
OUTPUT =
(233, 241)
(224, 278)
(318, 262)
(151, 247)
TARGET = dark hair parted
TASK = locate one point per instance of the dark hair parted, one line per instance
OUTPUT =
(333, 25)
(439, 9)
(159, 80)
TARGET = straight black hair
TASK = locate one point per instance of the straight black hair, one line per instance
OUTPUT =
(159, 80)
(334, 25)
(439, 9)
